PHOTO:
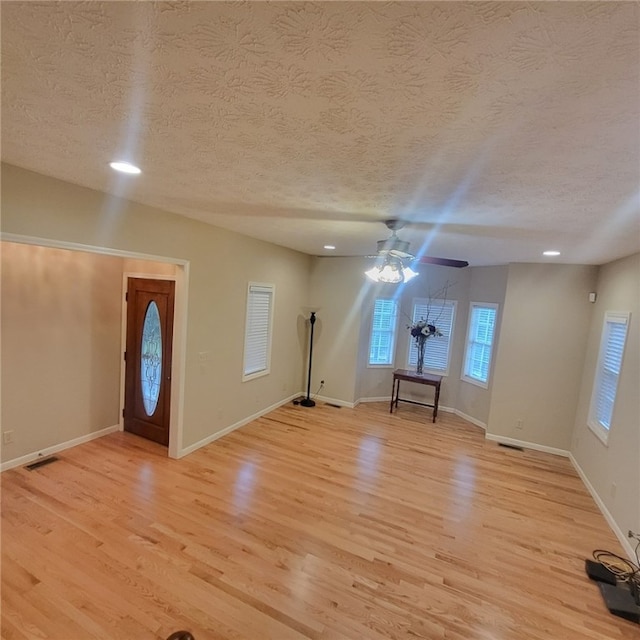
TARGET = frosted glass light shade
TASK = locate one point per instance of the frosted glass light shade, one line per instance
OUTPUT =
(391, 272)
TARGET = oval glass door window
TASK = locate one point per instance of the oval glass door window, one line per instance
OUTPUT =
(151, 358)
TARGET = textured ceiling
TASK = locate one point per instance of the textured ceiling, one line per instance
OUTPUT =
(505, 128)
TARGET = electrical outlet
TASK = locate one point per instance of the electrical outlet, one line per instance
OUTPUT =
(7, 437)
(322, 382)
(519, 424)
(612, 491)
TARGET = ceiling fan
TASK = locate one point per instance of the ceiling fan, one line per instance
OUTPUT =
(394, 252)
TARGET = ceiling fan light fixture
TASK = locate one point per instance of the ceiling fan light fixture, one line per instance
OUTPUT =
(391, 271)
(409, 273)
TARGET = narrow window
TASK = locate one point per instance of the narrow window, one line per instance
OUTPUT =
(383, 332)
(441, 314)
(605, 385)
(257, 338)
(479, 346)
(151, 358)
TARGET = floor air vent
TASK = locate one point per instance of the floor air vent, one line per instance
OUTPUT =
(40, 463)
(510, 446)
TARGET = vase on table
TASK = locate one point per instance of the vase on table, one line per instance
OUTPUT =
(420, 361)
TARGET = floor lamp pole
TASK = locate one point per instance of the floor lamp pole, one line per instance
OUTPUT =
(308, 402)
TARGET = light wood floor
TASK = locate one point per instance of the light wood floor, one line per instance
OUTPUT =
(321, 523)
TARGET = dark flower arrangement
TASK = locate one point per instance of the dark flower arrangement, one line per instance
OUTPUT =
(421, 331)
(426, 328)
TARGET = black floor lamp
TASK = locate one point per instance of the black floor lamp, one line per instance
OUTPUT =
(308, 402)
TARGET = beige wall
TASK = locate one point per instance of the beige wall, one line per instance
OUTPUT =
(338, 292)
(148, 268)
(488, 284)
(221, 263)
(538, 368)
(61, 326)
(614, 469)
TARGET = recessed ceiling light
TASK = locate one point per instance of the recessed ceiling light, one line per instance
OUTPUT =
(550, 253)
(329, 246)
(124, 167)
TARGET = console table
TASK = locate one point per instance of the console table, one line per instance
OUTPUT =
(422, 378)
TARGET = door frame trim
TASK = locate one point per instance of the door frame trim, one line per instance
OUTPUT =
(176, 449)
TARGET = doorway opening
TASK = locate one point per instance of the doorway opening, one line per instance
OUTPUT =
(176, 270)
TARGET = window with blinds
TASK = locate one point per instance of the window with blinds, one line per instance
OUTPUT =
(605, 385)
(479, 346)
(257, 336)
(383, 332)
(440, 313)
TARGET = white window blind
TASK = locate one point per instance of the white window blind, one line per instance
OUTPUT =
(383, 332)
(440, 313)
(605, 386)
(479, 347)
(257, 339)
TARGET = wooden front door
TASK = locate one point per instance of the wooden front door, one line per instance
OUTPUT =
(147, 387)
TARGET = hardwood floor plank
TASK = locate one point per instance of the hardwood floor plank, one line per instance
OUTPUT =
(322, 524)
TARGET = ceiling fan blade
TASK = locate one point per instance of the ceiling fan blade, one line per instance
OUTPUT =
(443, 262)
(394, 248)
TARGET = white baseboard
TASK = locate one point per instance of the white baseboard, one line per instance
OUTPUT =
(340, 403)
(527, 445)
(56, 448)
(380, 399)
(624, 541)
(219, 434)
(388, 399)
(462, 415)
(470, 419)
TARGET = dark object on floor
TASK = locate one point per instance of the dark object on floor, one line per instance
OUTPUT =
(510, 446)
(40, 463)
(598, 572)
(620, 602)
(308, 402)
(181, 635)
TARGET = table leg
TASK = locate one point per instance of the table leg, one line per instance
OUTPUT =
(435, 402)
(393, 391)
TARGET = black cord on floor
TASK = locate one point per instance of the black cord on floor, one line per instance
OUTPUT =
(623, 569)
